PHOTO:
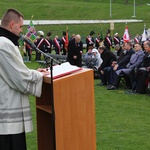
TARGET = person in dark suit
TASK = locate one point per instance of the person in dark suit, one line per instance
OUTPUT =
(121, 64)
(63, 42)
(108, 57)
(90, 40)
(108, 41)
(40, 43)
(49, 43)
(57, 44)
(98, 41)
(116, 39)
(28, 50)
(43, 44)
(75, 49)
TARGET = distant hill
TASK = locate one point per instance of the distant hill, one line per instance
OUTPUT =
(82, 10)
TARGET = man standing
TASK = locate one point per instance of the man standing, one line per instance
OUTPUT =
(49, 43)
(16, 83)
(98, 41)
(90, 40)
(40, 43)
(108, 41)
(57, 44)
(116, 39)
(75, 49)
(63, 42)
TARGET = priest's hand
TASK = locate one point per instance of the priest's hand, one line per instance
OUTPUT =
(43, 71)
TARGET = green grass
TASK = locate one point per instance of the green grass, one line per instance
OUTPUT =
(122, 120)
(82, 9)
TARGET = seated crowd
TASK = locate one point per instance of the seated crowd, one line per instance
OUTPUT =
(131, 66)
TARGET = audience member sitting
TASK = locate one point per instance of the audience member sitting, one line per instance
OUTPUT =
(97, 56)
(135, 61)
(88, 53)
(120, 65)
(118, 49)
(108, 57)
(140, 75)
(92, 58)
(109, 72)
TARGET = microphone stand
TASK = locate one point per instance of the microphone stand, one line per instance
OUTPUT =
(52, 91)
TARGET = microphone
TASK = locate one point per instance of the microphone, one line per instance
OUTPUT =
(26, 40)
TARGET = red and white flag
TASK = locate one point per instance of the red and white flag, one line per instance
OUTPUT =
(126, 37)
(67, 39)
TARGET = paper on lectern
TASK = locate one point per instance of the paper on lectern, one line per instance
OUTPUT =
(64, 69)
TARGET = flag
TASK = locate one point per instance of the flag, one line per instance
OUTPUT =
(31, 32)
(67, 40)
(126, 37)
(144, 35)
(101, 33)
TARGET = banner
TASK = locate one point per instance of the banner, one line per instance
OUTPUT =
(126, 37)
(31, 32)
(67, 40)
(144, 35)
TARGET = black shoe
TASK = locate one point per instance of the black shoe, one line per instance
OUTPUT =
(112, 87)
(109, 85)
(130, 92)
(101, 84)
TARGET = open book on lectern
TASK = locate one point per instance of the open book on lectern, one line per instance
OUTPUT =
(64, 69)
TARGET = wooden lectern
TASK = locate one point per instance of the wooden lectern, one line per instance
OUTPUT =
(75, 126)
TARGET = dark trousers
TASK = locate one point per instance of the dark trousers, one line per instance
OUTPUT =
(108, 72)
(133, 76)
(13, 142)
(64, 51)
(138, 79)
(127, 80)
(141, 82)
(117, 81)
(114, 78)
(29, 53)
(38, 56)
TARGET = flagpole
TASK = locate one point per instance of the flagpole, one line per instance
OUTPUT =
(31, 17)
(101, 30)
(110, 10)
(133, 8)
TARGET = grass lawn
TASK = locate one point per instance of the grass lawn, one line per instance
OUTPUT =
(82, 10)
(122, 121)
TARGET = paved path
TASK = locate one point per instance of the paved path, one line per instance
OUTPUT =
(58, 22)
